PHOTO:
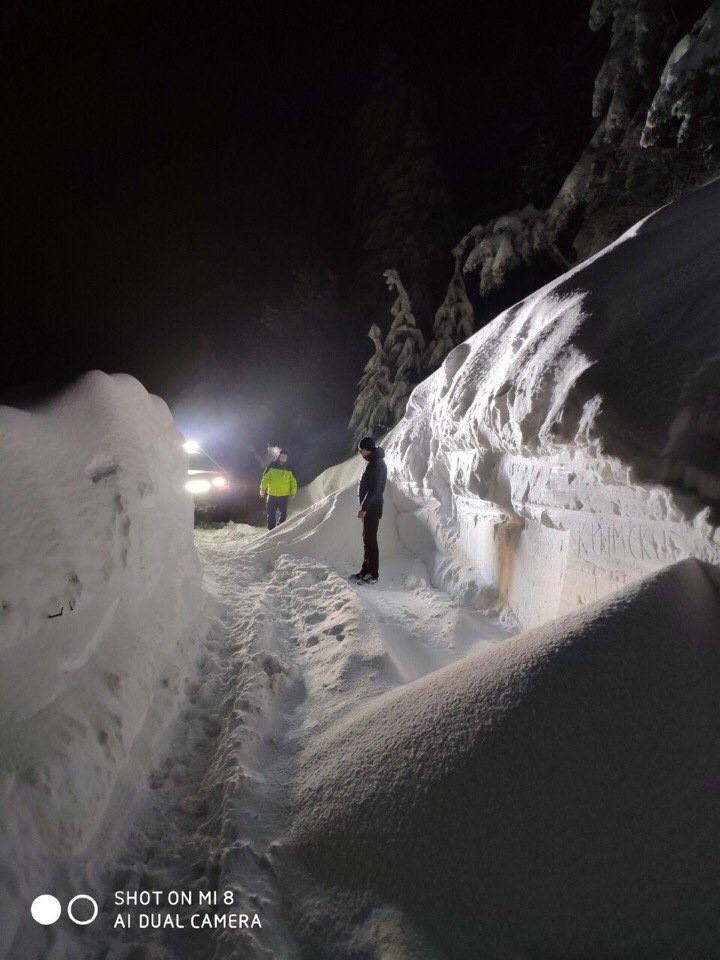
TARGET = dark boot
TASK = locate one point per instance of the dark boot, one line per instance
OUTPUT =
(368, 578)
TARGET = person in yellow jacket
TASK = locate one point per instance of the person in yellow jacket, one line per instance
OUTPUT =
(278, 484)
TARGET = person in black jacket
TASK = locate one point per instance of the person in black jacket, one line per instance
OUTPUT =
(370, 495)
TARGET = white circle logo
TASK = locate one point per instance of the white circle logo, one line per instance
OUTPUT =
(45, 909)
(82, 896)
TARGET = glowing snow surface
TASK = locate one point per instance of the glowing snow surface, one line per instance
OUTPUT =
(293, 648)
(539, 455)
(100, 612)
(567, 450)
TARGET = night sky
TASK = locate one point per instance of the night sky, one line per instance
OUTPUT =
(168, 165)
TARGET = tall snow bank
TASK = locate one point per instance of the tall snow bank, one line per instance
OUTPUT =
(330, 481)
(571, 445)
(553, 796)
(99, 597)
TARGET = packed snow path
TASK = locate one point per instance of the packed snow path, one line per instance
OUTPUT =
(294, 648)
(217, 798)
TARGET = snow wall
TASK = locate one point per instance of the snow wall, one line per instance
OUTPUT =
(573, 444)
(99, 599)
(554, 795)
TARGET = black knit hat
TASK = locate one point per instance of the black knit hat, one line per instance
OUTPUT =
(367, 443)
(283, 451)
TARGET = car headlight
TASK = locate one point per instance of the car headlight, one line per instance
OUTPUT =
(197, 486)
(219, 482)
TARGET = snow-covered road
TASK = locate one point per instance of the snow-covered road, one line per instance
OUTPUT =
(421, 628)
(294, 648)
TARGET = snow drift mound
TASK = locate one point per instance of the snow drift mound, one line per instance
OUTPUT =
(99, 594)
(553, 796)
(569, 447)
(330, 481)
(329, 530)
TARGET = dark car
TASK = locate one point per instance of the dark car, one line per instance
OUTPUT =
(210, 490)
(210, 487)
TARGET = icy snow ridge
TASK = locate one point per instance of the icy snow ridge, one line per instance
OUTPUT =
(99, 610)
(553, 796)
(571, 446)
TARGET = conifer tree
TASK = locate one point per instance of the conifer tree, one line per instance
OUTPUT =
(404, 325)
(406, 377)
(371, 412)
(393, 370)
(405, 215)
(454, 320)
(404, 346)
(657, 135)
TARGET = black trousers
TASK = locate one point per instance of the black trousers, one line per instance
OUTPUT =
(371, 522)
(276, 505)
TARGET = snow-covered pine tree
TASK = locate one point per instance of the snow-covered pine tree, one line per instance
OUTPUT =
(371, 412)
(404, 325)
(685, 105)
(657, 136)
(405, 216)
(454, 320)
(393, 370)
(407, 376)
(404, 347)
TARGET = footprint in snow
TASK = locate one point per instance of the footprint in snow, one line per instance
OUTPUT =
(315, 617)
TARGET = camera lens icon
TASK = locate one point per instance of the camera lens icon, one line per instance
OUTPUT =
(46, 909)
(82, 896)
